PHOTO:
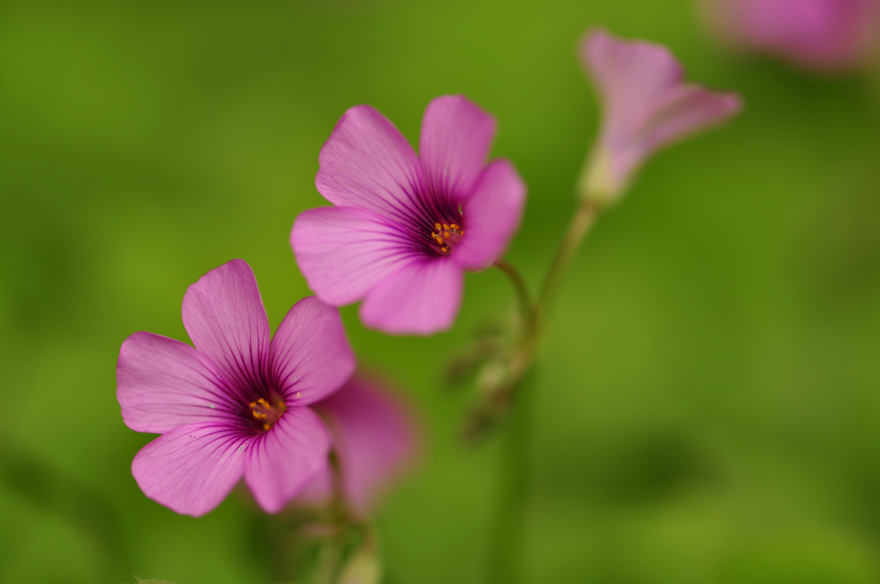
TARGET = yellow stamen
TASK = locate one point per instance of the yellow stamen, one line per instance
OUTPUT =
(267, 413)
(447, 235)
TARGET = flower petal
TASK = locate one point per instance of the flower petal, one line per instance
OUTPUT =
(162, 383)
(683, 111)
(224, 316)
(422, 297)
(492, 215)
(367, 163)
(344, 251)
(286, 457)
(456, 139)
(628, 75)
(310, 357)
(373, 435)
(191, 468)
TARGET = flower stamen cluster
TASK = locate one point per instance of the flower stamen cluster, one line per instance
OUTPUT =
(267, 414)
(447, 236)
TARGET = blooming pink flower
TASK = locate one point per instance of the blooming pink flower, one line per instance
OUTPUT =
(823, 35)
(646, 107)
(405, 227)
(236, 404)
(374, 437)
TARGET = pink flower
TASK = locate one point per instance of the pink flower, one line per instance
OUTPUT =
(823, 35)
(374, 436)
(236, 404)
(406, 227)
(646, 106)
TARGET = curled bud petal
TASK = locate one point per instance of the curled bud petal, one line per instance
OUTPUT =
(646, 106)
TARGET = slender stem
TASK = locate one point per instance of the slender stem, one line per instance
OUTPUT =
(507, 546)
(580, 225)
(338, 500)
(519, 285)
(330, 554)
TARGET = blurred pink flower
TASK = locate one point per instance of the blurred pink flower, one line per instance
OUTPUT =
(375, 437)
(236, 404)
(646, 106)
(823, 35)
(405, 227)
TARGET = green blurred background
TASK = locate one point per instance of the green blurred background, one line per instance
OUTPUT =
(708, 409)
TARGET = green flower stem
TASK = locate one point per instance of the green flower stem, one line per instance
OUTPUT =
(508, 538)
(580, 225)
(519, 286)
(332, 560)
(507, 546)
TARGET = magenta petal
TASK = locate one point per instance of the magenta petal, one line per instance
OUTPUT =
(310, 356)
(367, 163)
(191, 468)
(372, 435)
(455, 141)
(421, 298)
(629, 75)
(224, 316)
(162, 383)
(685, 110)
(344, 251)
(286, 457)
(492, 213)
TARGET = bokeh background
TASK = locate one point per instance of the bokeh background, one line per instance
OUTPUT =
(708, 408)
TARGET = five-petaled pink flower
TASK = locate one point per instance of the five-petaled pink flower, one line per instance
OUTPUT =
(405, 227)
(646, 106)
(822, 35)
(374, 436)
(236, 405)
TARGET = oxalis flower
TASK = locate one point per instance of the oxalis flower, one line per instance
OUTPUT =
(236, 404)
(821, 35)
(375, 438)
(646, 106)
(405, 227)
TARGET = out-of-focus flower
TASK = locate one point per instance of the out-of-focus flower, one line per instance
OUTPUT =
(646, 106)
(821, 35)
(236, 404)
(375, 438)
(404, 227)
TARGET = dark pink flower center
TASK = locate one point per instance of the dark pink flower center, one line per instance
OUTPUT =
(437, 222)
(266, 413)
